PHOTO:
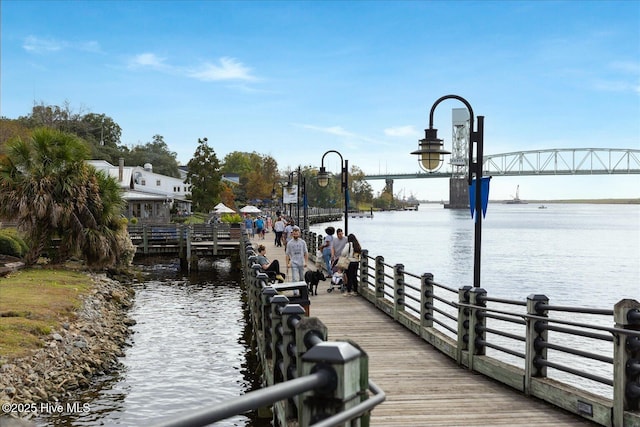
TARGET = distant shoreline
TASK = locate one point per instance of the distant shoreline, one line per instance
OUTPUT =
(577, 201)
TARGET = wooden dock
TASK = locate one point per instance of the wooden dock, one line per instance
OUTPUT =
(423, 386)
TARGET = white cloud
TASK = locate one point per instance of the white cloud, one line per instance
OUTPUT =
(333, 130)
(228, 69)
(401, 131)
(38, 45)
(147, 60)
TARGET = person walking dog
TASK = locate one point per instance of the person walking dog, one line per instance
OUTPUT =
(297, 255)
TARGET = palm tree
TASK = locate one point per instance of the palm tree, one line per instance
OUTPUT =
(48, 188)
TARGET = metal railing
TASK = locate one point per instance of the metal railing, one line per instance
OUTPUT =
(309, 380)
(565, 355)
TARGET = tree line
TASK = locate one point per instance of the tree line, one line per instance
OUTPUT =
(259, 175)
(47, 187)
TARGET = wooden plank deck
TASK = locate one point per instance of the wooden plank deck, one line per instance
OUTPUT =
(423, 386)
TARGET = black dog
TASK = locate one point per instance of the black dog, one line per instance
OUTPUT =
(312, 278)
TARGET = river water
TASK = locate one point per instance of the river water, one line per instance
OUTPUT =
(190, 344)
(190, 348)
(577, 254)
(581, 255)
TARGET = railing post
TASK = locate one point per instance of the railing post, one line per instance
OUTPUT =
(626, 360)
(256, 291)
(278, 302)
(190, 258)
(398, 290)
(145, 239)
(463, 323)
(267, 295)
(290, 313)
(536, 332)
(476, 324)
(426, 300)
(216, 230)
(379, 277)
(182, 249)
(349, 364)
(363, 285)
(309, 331)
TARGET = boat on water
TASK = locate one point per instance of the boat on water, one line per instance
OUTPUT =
(516, 199)
(542, 207)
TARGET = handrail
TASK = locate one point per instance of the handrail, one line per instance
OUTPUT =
(356, 411)
(550, 320)
(523, 342)
(251, 401)
(291, 344)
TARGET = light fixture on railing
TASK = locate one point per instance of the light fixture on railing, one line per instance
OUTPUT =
(323, 181)
(431, 157)
(431, 154)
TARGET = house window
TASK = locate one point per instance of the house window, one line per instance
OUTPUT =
(158, 182)
(148, 210)
(143, 182)
(135, 210)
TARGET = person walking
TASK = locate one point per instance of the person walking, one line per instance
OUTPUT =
(278, 228)
(297, 255)
(339, 243)
(327, 249)
(260, 227)
(352, 250)
(248, 225)
(286, 235)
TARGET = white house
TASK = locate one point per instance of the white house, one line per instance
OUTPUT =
(150, 196)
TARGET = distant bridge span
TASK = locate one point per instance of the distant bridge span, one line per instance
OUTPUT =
(558, 161)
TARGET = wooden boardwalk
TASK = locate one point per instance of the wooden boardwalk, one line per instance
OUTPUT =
(423, 386)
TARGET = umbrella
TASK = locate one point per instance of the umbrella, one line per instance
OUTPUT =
(222, 208)
(250, 209)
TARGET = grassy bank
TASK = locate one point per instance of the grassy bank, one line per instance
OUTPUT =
(34, 302)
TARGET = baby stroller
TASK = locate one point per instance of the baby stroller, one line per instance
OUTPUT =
(338, 279)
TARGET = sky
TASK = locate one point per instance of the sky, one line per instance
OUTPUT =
(294, 79)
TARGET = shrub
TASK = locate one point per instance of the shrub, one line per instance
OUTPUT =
(13, 233)
(231, 218)
(10, 246)
(133, 221)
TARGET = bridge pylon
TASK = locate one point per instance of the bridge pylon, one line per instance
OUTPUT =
(458, 193)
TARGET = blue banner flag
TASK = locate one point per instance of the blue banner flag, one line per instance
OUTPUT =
(484, 192)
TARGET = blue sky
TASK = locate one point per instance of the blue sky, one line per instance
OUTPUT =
(295, 79)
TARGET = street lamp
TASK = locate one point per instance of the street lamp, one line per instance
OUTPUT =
(323, 181)
(290, 188)
(431, 157)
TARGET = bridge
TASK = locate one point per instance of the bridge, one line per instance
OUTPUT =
(558, 161)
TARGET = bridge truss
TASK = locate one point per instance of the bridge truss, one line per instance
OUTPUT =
(565, 161)
(559, 161)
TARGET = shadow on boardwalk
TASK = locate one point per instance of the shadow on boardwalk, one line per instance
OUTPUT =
(423, 386)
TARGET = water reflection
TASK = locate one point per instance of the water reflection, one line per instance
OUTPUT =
(190, 348)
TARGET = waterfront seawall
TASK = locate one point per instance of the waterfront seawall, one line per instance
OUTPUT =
(72, 355)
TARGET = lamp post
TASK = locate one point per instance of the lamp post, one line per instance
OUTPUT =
(431, 157)
(290, 187)
(323, 181)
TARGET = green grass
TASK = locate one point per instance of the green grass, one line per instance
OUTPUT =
(33, 303)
